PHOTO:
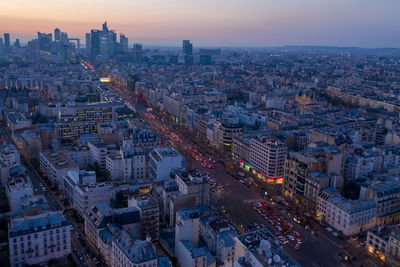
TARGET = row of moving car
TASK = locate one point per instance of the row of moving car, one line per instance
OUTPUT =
(170, 134)
(214, 185)
(284, 229)
(206, 163)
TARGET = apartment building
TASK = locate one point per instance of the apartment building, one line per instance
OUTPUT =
(346, 215)
(149, 215)
(162, 161)
(38, 239)
(55, 165)
(267, 158)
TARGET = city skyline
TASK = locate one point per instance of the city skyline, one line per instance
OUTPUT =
(259, 23)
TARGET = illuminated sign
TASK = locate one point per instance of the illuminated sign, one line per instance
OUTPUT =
(105, 80)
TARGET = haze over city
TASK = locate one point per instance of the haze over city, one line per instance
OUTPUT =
(183, 133)
(362, 23)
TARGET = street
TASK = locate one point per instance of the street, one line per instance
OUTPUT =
(321, 250)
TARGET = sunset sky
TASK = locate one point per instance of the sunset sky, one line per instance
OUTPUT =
(365, 23)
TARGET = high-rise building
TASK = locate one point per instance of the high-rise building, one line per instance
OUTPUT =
(95, 43)
(44, 40)
(138, 52)
(108, 42)
(124, 43)
(88, 43)
(57, 35)
(64, 38)
(105, 28)
(1, 45)
(268, 159)
(17, 43)
(187, 47)
(7, 45)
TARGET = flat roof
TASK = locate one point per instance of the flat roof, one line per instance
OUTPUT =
(58, 159)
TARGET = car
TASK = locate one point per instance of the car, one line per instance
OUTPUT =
(362, 244)
(297, 246)
(335, 234)
(354, 237)
(329, 229)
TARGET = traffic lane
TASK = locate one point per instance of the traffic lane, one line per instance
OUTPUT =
(54, 203)
(313, 252)
(234, 187)
(79, 247)
(244, 193)
(75, 244)
(49, 193)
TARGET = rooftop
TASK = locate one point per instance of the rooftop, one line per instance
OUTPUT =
(36, 223)
(137, 251)
(263, 245)
(166, 152)
(58, 159)
(351, 206)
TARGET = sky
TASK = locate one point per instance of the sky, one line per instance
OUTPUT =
(363, 23)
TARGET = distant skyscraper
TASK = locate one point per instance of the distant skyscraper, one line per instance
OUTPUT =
(108, 41)
(57, 35)
(95, 43)
(187, 48)
(7, 45)
(1, 45)
(124, 43)
(88, 43)
(44, 40)
(64, 38)
(17, 44)
(105, 28)
(138, 52)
